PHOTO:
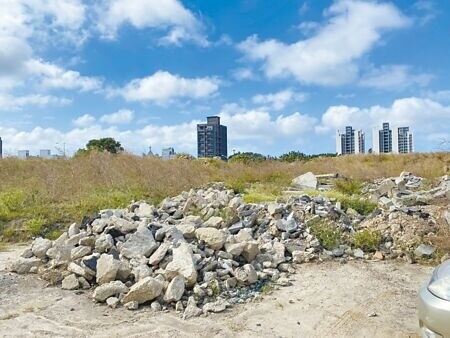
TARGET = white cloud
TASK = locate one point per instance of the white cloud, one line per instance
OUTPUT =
(84, 120)
(279, 100)
(167, 15)
(162, 87)
(423, 115)
(393, 77)
(52, 76)
(120, 117)
(330, 57)
(243, 74)
(260, 126)
(11, 103)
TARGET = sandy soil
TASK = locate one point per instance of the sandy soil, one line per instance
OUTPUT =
(357, 299)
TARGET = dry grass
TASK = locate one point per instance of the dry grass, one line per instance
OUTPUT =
(43, 192)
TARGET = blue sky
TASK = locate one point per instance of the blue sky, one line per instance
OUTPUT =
(283, 75)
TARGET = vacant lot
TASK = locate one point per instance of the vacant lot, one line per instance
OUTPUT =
(357, 299)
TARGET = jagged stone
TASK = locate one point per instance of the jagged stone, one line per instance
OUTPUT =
(40, 247)
(70, 282)
(183, 263)
(175, 289)
(146, 289)
(107, 268)
(103, 292)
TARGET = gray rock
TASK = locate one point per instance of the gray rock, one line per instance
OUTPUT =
(175, 289)
(191, 310)
(73, 230)
(214, 238)
(70, 282)
(146, 289)
(103, 243)
(145, 210)
(159, 254)
(107, 268)
(305, 181)
(337, 252)
(447, 217)
(155, 306)
(246, 274)
(187, 229)
(27, 253)
(141, 271)
(214, 222)
(358, 253)
(141, 243)
(80, 271)
(40, 247)
(79, 252)
(133, 305)
(123, 225)
(103, 292)
(183, 263)
(216, 307)
(112, 302)
(386, 187)
(24, 265)
(235, 228)
(424, 250)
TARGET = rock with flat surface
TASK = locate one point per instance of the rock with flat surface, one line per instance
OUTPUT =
(183, 264)
(24, 265)
(103, 292)
(146, 289)
(175, 289)
(70, 282)
(79, 252)
(40, 247)
(107, 268)
(305, 181)
(141, 243)
(213, 238)
(159, 254)
(214, 222)
(424, 250)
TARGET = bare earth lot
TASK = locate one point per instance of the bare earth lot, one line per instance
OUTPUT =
(325, 300)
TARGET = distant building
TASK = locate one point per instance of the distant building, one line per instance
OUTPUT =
(212, 139)
(45, 153)
(150, 152)
(396, 140)
(168, 153)
(23, 154)
(1, 148)
(351, 142)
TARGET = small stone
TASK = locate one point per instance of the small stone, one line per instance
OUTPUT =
(155, 306)
(70, 283)
(183, 264)
(424, 250)
(73, 230)
(246, 274)
(141, 243)
(103, 243)
(24, 265)
(179, 306)
(305, 181)
(112, 302)
(378, 256)
(191, 309)
(133, 305)
(358, 253)
(216, 307)
(214, 222)
(338, 252)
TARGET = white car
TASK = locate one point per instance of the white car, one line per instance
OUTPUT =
(434, 304)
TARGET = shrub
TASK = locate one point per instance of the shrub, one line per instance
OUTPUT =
(328, 235)
(348, 186)
(35, 226)
(367, 240)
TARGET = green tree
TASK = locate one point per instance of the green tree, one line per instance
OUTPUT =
(104, 144)
(293, 156)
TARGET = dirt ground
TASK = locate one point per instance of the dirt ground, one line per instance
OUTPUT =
(357, 299)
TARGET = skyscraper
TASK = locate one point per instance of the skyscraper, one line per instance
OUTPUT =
(398, 140)
(351, 142)
(212, 138)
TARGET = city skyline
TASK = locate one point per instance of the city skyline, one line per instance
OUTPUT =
(279, 82)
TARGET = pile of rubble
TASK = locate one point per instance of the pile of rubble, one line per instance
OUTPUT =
(198, 252)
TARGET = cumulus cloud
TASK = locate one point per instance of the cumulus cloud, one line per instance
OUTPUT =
(279, 100)
(394, 77)
(162, 87)
(168, 15)
(120, 117)
(331, 55)
(243, 74)
(84, 120)
(422, 114)
(11, 103)
(261, 126)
